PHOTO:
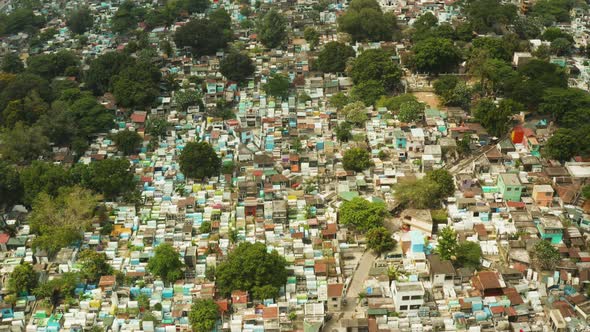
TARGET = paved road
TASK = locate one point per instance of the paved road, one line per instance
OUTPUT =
(356, 285)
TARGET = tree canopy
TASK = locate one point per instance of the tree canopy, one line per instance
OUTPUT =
(272, 29)
(204, 36)
(80, 20)
(43, 177)
(23, 279)
(250, 267)
(277, 86)
(545, 255)
(361, 214)
(333, 57)
(94, 264)
(166, 263)
(356, 159)
(127, 141)
(375, 64)
(198, 160)
(365, 21)
(237, 67)
(380, 240)
(60, 221)
(11, 190)
(109, 177)
(203, 315)
(446, 243)
(434, 56)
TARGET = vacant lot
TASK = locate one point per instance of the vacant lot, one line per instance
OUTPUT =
(429, 98)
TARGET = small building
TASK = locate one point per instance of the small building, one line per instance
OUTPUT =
(550, 228)
(510, 187)
(335, 294)
(543, 195)
(488, 283)
(441, 271)
(407, 296)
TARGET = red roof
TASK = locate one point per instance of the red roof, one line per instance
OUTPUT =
(138, 116)
(335, 290)
(239, 297)
(270, 313)
(4, 238)
(515, 204)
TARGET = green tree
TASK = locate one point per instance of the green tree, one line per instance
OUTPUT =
(277, 86)
(203, 36)
(11, 190)
(445, 88)
(157, 127)
(166, 263)
(250, 266)
(205, 227)
(356, 159)
(237, 67)
(110, 177)
(60, 221)
(468, 254)
(23, 279)
(137, 85)
(272, 29)
(265, 292)
(186, 98)
(495, 119)
(127, 17)
(339, 100)
(380, 240)
(394, 103)
(343, 133)
(361, 214)
(375, 64)
(198, 160)
(43, 177)
(52, 65)
(104, 68)
(22, 144)
(558, 101)
(493, 47)
(11, 63)
(21, 86)
(532, 80)
(203, 315)
(553, 10)
(527, 27)
(94, 265)
(435, 56)
(420, 194)
(367, 91)
(312, 37)
(545, 255)
(365, 21)
(80, 20)
(562, 146)
(446, 246)
(488, 15)
(127, 141)
(27, 110)
(586, 192)
(444, 180)
(552, 33)
(561, 47)
(410, 111)
(57, 288)
(333, 57)
(20, 20)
